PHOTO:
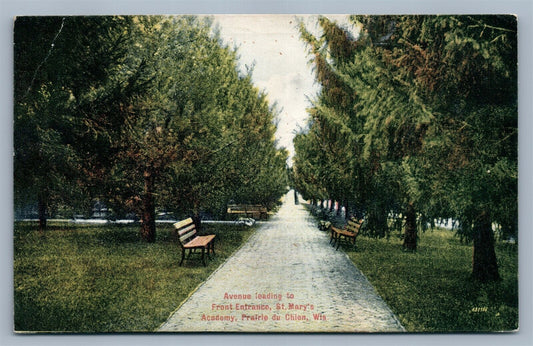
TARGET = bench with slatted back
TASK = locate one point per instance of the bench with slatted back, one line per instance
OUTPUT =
(189, 239)
(257, 212)
(350, 232)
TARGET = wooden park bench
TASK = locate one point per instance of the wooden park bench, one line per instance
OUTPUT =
(256, 212)
(350, 232)
(189, 239)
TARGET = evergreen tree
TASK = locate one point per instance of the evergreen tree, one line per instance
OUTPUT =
(429, 107)
(141, 112)
(57, 60)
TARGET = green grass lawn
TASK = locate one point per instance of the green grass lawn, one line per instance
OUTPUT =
(103, 278)
(431, 291)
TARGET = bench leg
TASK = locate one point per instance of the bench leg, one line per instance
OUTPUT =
(203, 257)
(338, 241)
(208, 246)
(182, 256)
(345, 238)
(334, 238)
(212, 244)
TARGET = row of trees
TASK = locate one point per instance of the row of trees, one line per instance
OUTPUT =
(416, 120)
(141, 112)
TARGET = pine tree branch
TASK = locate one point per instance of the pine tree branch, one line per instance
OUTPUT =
(45, 58)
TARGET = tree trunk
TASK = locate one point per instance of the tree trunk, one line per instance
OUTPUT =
(42, 214)
(484, 263)
(409, 241)
(197, 220)
(331, 205)
(346, 210)
(148, 209)
(339, 207)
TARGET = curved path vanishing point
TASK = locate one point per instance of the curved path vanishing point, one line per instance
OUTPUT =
(286, 256)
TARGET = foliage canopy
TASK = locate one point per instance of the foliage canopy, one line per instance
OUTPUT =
(144, 113)
(416, 121)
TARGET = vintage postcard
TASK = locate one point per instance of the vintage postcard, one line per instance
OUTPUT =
(266, 173)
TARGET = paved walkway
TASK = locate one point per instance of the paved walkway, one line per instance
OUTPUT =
(286, 278)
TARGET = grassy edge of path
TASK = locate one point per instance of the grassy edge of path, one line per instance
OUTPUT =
(430, 290)
(94, 279)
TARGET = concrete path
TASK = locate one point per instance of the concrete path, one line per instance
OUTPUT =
(286, 278)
